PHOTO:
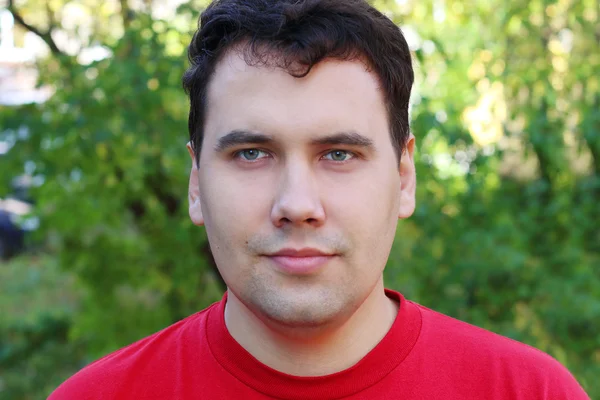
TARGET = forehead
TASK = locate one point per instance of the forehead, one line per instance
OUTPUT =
(335, 95)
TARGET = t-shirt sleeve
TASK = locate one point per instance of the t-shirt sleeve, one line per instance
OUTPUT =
(564, 386)
(77, 389)
(94, 382)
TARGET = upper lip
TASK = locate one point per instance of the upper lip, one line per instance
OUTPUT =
(305, 252)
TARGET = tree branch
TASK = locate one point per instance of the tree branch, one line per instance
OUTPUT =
(45, 36)
(126, 13)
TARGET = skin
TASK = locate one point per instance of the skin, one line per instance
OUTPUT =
(294, 186)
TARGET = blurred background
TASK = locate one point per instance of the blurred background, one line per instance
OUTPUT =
(97, 248)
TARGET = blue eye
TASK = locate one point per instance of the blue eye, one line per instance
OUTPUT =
(249, 154)
(340, 155)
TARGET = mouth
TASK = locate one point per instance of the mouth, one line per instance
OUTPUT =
(301, 261)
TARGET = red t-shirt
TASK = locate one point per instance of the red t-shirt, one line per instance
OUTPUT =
(425, 355)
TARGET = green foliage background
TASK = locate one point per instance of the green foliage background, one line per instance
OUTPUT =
(506, 233)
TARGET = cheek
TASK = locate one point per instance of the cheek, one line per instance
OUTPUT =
(366, 199)
(234, 205)
(233, 211)
(366, 210)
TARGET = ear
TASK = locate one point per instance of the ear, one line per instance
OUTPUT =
(194, 191)
(408, 179)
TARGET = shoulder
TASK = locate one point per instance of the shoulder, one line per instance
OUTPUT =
(116, 372)
(441, 331)
(487, 355)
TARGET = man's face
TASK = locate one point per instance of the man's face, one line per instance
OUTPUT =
(299, 164)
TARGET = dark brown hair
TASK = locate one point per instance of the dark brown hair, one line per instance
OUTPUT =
(300, 33)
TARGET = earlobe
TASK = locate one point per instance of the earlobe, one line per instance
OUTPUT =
(195, 209)
(408, 179)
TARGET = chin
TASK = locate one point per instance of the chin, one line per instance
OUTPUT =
(311, 310)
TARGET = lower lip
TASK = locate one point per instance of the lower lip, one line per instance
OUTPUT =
(300, 265)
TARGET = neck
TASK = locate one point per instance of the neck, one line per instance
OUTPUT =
(313, 353)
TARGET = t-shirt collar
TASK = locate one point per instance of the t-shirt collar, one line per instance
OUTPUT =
(372, 368)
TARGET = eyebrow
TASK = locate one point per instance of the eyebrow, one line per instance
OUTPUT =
(239, 137)
(345, 138)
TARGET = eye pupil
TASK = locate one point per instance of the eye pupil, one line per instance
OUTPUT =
(338, 155)
(250, 154)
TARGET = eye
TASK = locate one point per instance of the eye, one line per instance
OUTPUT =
(339, 155)
(250, 154)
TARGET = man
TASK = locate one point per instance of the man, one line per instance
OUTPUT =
(302, 164)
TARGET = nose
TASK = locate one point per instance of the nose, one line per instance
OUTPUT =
(298, 201)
